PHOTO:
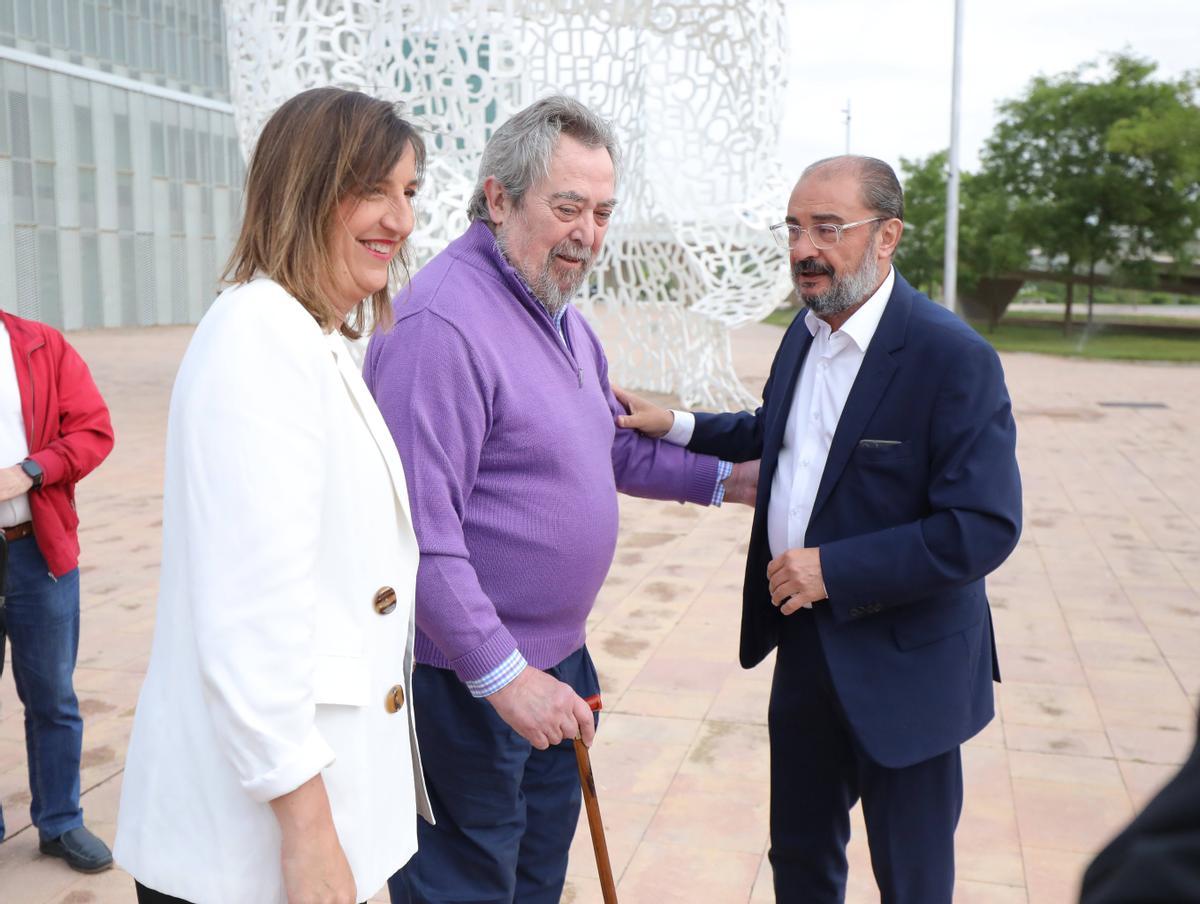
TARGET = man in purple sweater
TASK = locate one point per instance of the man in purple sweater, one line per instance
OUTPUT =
(496, 391)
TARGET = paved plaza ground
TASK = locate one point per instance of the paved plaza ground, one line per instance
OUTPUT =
(1097, 617)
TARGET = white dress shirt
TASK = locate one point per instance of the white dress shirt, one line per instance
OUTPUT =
(14, 445)
(826, 378)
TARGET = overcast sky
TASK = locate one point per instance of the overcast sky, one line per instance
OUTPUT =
(892, 60)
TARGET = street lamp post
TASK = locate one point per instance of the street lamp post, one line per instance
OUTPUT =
(950, 273)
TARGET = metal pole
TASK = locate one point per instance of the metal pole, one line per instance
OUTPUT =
(847, 112)
(950, 274)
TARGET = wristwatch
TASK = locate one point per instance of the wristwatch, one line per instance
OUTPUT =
(34, 472)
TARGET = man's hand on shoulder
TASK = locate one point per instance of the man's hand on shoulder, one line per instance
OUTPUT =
(796, 580)
(645, 417)
(543, 710)
(14, 482)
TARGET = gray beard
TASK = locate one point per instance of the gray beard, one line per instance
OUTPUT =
(844, 292)
(543, 286)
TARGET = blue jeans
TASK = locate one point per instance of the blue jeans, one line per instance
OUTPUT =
(42, 615)
(506, 812)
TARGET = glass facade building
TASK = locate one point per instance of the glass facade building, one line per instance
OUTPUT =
(120, 172)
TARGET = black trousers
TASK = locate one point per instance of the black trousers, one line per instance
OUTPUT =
(819, 771)
(150, 896)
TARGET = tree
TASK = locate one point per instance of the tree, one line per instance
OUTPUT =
(1087, 173)
(988, 246)
(922, 250)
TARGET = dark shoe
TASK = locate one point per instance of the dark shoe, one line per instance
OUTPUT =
(81, 849)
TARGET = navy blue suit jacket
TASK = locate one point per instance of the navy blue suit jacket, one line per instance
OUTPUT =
(907, 529)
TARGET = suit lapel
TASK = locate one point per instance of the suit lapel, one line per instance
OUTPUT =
(878, 367)
(351, 375)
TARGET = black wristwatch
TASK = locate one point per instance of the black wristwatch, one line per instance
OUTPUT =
(34, 472)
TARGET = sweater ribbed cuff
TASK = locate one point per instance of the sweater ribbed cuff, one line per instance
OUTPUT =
(486, 657)
(703, 480)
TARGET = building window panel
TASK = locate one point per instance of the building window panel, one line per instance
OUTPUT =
(125, 201)
(123, 152)
(27, 273)
(74, 27)
(88, 12)
(43, 185)
(41, 22)
(87, 197)
(41, 123)
(25, 18)
(18, 118)
(23, 203)
(84, 150)
(89, 268)
(49, 296)
(58, 23)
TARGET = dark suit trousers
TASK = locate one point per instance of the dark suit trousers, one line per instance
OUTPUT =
(818, 773)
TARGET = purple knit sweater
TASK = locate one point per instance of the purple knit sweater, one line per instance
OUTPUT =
(512, 459)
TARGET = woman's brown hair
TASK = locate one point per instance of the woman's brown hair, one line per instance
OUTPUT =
(317, 149)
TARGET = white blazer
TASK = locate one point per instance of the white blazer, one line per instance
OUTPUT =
(275, 657)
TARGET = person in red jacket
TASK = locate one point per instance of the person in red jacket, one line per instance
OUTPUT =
(54, 429)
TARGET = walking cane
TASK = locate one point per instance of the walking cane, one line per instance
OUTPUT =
(595, 824)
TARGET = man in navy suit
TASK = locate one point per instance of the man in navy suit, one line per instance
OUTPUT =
(888, 490)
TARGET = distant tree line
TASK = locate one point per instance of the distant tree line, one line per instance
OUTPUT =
(1098, 165)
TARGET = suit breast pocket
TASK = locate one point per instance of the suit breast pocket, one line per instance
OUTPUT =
(882, 452)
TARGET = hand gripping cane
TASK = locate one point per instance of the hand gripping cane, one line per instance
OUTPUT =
(595, 824)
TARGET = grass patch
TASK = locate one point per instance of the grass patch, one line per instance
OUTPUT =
(1105, 340)
(1079, 318)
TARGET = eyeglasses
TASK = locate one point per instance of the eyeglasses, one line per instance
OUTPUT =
(822, 235)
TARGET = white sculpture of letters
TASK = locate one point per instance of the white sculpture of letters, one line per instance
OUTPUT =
(695, 88)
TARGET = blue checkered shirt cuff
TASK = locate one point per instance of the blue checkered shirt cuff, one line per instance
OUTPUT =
(498, 677)
(724, 469)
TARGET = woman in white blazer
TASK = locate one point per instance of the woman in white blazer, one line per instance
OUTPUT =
(274, 756)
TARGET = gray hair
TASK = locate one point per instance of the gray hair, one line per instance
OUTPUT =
(881, 191)
(519, 152)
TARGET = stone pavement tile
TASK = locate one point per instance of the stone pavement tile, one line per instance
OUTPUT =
(636, 757)
(967, 891)
(1066, 769)
(764, 885)
(113, 886)
(1111, 626)
(987, 844)
(1059, 706)
(1176, 639)
(680, 704)
(1050, 739)
(1139, 698)
(1144, 780)
(1038, 665)
(28, 876)
(726, 758)
(1053, 876)
(625, 825)
(1037, 624)
(1168, 743)
(1137, 653)
(664, 873)
(1107, 598)
(743, 696)
(1068, 817)
(991, 735)
(725, 822)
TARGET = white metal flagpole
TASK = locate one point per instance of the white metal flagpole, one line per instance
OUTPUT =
(950, 273)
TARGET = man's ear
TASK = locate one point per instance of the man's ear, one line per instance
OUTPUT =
(498, 201)
(889, 237)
